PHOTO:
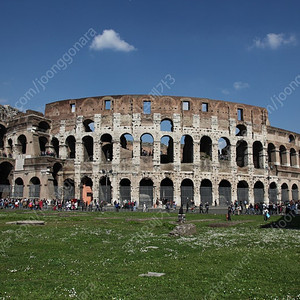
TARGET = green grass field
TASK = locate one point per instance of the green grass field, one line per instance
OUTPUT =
(93, 255)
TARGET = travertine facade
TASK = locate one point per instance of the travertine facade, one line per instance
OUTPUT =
(142, 148)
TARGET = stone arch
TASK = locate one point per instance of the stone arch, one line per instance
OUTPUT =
(71, 146)
(125, 190)
(284, 193)
(295, 192)
(19, 188)
(166, 191)
(105, 188)
(241, 153)
(206, 191)
(68, 189)
(224, 149)
(241, 130)
(43, 126)
(2, 134)
(259, 192)
(206, 148)
(88, 148)
(187, 149)
(293, 157)
(126, 142)
(187, 191)
(55, 145)
(106, 147)
(34, 187)
(271, 153)
(21, 144)
(166, 125)
(258, 155)
(6, 170)
(242, 192)
(283, 155)
(146, 144)
(86, 190)
(43, 142)
(146, 192)
(89, 125)
(166, 149)
(273, 192)
(225, 193)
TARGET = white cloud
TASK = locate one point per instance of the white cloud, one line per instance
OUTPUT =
(225, 92)
(238, 85)
(109, 39)
(274, 41)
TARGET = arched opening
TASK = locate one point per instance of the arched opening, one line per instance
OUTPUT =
(89, 125)
(205, 148)
(86, 190)
(166, 150)
(146, 192)
(2, 134)
(55, 145)
(125, 190)
(57, 167)
(69, 189)
(187, 149)
(258, 155)
(105, 189)
(43, 142)
(291, 139)
(6, 169)
(22, 143)
(166, 125)
(206, 191)
(147, 143)
(295, 192)
(241, 130)
(283, 155)
(166, 191)
(34, 187)
(126, 141)
(88, 148)
(273, 192)
(10, 147)
(271, 153)
(284, 193)
(259, 192)
(19, 188)
(43, 126)
(106, 147)
(242, 153)
(293, 157)
(224, 149)
(242, 192)
(224, 193)
(71, 146)
(187, 191)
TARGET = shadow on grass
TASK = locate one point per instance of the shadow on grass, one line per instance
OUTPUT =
(289, 221)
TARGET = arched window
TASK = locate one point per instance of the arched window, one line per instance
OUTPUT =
(284, 193)
(166, 125)
(271, 153)
(283, 155)
(69, 189)
(43, 126)
(126, 151)
(273, 192)
(242, 153)
(106, 147)
(6, 170)
(22, 143)
(258, 155)
(146, 145)
(187, 149)
(295, 192)
(205, 148)
(88, 147)
(71, 146)
(166, 150)
(241, 130)
(86, 189)
(55, 145)
(43, 141)
(105, 188)
(89, 125)
(224, 149)
(293, 157)
(2, 134)
(19, 188)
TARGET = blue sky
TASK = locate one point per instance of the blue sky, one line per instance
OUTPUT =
(241, 51)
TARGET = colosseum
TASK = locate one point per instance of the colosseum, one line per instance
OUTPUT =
(144, 148)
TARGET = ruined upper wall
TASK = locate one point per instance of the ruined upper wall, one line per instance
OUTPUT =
(127, 105)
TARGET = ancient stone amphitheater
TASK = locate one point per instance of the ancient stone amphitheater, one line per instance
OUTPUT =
(144, 148)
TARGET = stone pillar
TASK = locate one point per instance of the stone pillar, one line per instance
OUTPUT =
(136, 153)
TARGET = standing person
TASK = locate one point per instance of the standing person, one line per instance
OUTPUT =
(201, 211)
(229, 213)
(206, 207)
(187, 205)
